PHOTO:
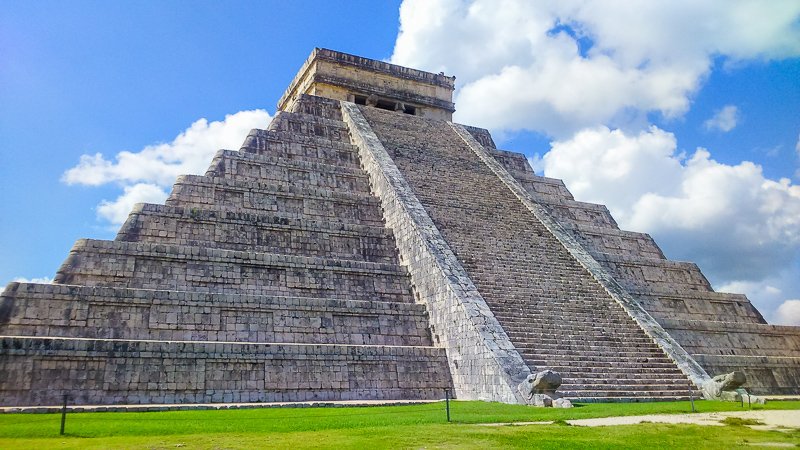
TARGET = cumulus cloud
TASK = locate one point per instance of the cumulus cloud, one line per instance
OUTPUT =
(737, 224)
(189, 152)
(117, 211)
(560, 66)
(724, 119)
(41, 280)
(146, 175)
(789, 313)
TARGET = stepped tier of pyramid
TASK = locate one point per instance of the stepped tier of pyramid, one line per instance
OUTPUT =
(363, 246)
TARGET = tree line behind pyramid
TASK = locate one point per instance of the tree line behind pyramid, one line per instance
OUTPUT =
(364, 247)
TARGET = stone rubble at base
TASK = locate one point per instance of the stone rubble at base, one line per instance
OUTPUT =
(375, 251)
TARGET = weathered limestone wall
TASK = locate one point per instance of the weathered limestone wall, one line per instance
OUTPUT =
(122, 313)
(272, 278)
(199, 269)
(95, 372)
(483, 362)
(662, 275)
(257, 232)
(754, 339)
(248, 166)
(698, 305)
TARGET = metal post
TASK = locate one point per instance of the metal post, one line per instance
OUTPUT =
(691, 397)
(64, 414)
(447, 402)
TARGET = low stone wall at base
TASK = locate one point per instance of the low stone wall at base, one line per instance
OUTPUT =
(40, 371)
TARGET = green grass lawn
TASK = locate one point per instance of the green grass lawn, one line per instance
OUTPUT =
(412, 426)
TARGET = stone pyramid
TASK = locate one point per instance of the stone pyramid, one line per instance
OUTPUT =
(364, 247)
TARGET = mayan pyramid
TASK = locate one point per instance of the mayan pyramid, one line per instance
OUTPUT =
(363, 246)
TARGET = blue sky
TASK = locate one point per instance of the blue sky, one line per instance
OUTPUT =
(683, 118)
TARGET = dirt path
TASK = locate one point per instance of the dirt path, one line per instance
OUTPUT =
(771, 419)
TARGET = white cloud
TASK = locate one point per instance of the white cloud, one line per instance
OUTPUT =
(117, 211)
(789, 313)
(724, 119)
(145, 175)
(737, 224)
(41, 280)
(190, 152)
(560, 66)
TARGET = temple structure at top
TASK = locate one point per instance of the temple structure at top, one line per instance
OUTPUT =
(340, 76)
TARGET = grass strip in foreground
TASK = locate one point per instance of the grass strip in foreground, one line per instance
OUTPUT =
(381, 427)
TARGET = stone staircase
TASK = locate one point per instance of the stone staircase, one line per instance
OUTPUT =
(555, 313)
(723, 332)
(270, 278)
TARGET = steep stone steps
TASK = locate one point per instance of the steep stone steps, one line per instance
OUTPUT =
(611, 345)
(575, 348)
(651, 386)
(575, 316)
(597, 358)
(235, 195)
(561, 330)
(599, 378)
(271, 169)
(537, 322)
(257, 232)
(673, 295)
(159, 266)
(630, 396)
(601, 356)
(532, 345)
(555, 197)
(121, 313)
(516, 261)
(639, 399)
(679, 298)
(614, 373)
